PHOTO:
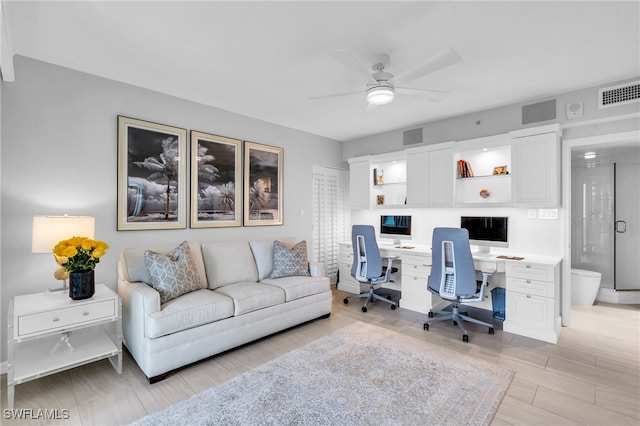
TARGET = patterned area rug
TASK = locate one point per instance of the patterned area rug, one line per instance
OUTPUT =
(359, 375)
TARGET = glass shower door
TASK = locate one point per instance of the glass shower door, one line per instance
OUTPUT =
(627, 226)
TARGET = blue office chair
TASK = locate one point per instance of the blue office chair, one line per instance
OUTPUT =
(367, 265)
(453, 277)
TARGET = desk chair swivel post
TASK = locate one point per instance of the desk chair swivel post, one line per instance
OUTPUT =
(453, 277)
(367, 265)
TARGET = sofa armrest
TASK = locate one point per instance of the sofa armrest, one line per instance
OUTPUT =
(139, 300)
(317, 269)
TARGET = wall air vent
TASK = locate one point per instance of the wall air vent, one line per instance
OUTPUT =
(620, 94)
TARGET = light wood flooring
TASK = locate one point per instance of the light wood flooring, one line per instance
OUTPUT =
(591, 377)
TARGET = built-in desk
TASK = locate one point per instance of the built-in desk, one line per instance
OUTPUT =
(532, 286)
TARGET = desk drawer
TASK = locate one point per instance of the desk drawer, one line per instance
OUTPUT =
(532, 287)
(531, 271)
(416, 259)
(417, 271)
(65, 317)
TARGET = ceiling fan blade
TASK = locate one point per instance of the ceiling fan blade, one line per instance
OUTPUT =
(427, 94)
(347, 60)
(432, 64)
(336, 95)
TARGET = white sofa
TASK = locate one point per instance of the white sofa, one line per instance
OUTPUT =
(238, 303)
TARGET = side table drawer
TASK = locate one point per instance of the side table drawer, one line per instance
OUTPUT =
(65, 317)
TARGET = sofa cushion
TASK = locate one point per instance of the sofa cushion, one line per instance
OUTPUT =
(136, 269)
(172, 274)
(228, 263)
(250, 296)
(188, 311)
(263, 254)
(298, 287)
(290, 262)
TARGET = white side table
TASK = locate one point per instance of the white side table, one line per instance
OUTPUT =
(48, 333)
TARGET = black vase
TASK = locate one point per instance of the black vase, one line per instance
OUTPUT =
(81, 285)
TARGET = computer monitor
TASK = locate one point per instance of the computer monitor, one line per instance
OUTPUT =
(395, 227)
(486, 232)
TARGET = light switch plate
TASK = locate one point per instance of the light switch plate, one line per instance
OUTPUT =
(548, 213)
(532, 214)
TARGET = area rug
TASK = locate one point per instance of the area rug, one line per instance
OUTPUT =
(359, 375)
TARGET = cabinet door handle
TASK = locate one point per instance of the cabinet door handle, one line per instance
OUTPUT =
(528, 296)
(528, 266)
(528, 281)
(56, 319)
(85, 314)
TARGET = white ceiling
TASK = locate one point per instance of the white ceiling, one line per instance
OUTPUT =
(265, 59)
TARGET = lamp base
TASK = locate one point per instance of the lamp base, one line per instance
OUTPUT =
(64, 287)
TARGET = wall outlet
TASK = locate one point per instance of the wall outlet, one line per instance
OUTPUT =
(532, 214)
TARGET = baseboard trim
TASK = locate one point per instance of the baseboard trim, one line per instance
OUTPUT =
(609, 295)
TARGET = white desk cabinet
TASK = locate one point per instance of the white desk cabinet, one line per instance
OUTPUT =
(533, 300)
(415, 271)
(48, 333)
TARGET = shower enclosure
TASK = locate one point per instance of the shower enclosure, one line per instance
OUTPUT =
(605, 209)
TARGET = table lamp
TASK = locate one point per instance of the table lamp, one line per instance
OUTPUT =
(48, 231)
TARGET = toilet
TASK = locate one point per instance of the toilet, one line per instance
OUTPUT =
(584, 286)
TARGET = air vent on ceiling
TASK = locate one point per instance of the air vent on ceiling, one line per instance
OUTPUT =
(620, 94)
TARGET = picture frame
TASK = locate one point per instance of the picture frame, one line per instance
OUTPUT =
(151, 175)
(216, 181)
(500, 170)
(263, 184)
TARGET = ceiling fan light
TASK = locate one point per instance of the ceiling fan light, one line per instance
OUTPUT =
(380, 95)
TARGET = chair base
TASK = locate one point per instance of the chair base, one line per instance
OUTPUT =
(370, 296)
(457, 318)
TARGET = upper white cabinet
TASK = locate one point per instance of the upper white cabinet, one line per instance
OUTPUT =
(360, 183)
(535, 155)
(430, 174)
(483, 171)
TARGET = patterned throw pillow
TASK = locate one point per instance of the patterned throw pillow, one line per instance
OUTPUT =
(172, 274)
(287, 263)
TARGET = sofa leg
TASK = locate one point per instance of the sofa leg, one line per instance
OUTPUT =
(158, 378)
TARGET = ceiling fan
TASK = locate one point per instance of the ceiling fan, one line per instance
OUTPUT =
(380, 88)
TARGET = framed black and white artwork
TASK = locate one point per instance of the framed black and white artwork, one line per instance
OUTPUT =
(151, 175)
(263, 196)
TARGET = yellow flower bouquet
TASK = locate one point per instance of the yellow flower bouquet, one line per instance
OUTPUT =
(78, 254)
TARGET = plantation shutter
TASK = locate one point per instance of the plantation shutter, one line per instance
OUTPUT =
(330, 216)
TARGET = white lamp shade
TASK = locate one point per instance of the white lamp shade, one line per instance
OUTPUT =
(380, 95)
(50, 230)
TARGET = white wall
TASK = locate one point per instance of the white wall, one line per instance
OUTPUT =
(59, 150)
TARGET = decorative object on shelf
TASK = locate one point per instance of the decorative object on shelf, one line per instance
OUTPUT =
(216, 181)
(152, 175)
(47, 231)
(79, 256)
(378, 177)
(485, 193)
(263, 185)
(500, 170)
(379, 200)
(464, 169)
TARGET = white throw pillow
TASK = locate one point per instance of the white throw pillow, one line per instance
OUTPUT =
(172, 274)
(290, 262)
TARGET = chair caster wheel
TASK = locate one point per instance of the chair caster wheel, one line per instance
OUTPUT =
(345, 301)
(491, 330)
(430, 314)
(393, 307)
(455, 323)
(426, 326)
(465, 338)
(364, 309)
